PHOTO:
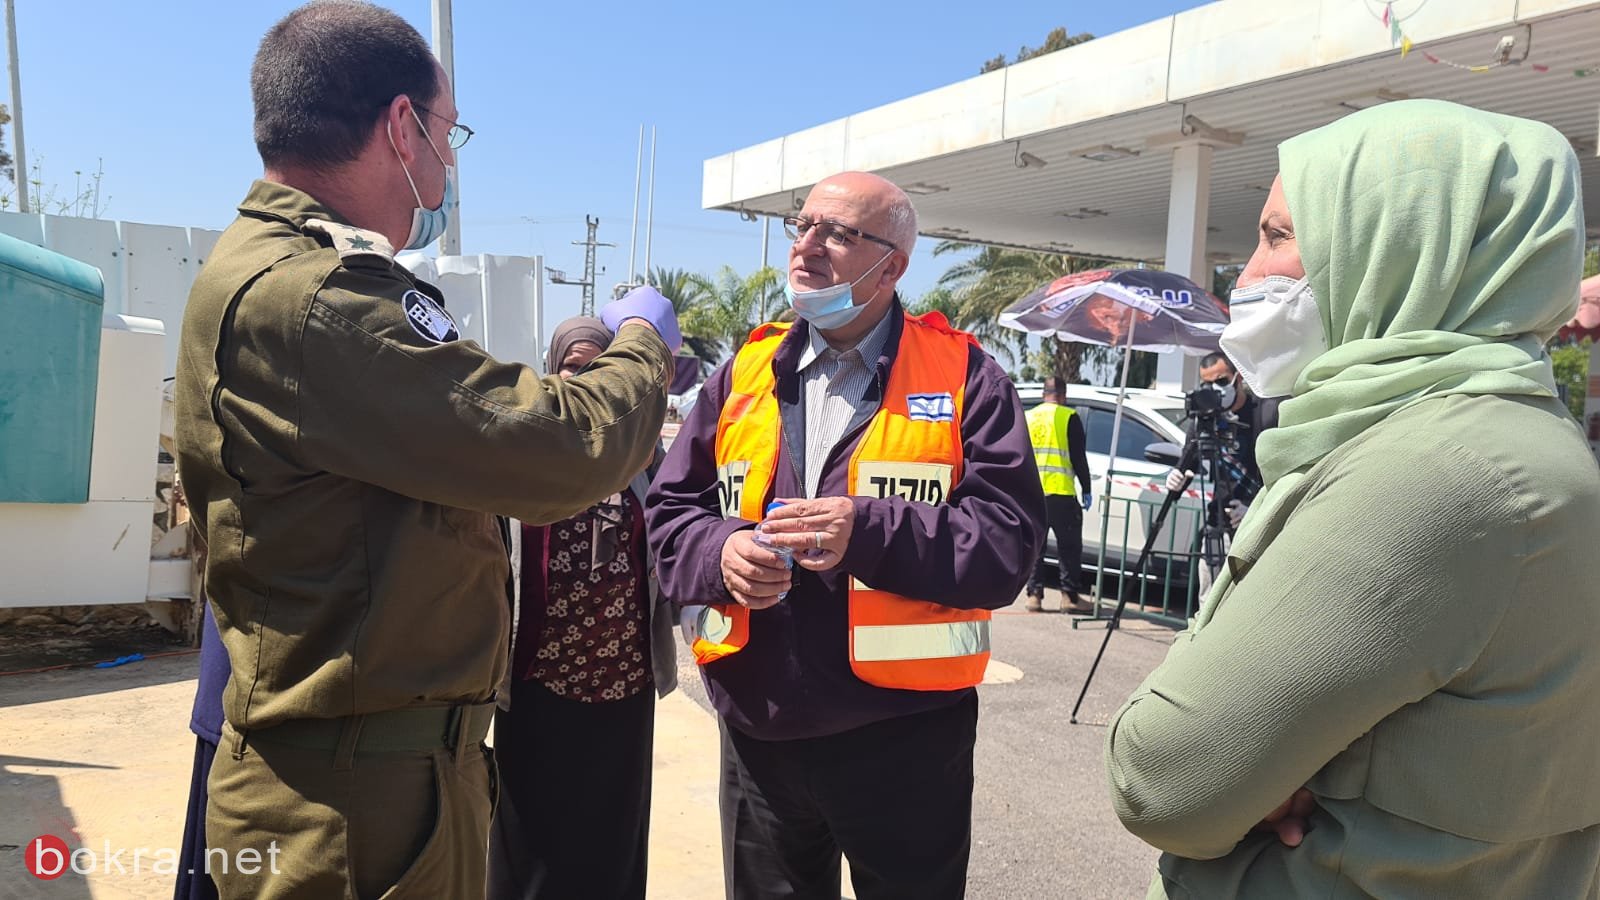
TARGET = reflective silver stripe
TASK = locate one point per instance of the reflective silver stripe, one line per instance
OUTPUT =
(1065, 470)
(712, 625)
(1049, 451)
(933, 640)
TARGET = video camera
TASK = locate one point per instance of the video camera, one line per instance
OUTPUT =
(1208, 401)
(1212, 450)
(1209, 408)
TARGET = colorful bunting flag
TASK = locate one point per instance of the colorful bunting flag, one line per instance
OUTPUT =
(1398, 38)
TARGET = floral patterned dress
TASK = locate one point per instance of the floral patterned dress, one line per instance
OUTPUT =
(585, 586)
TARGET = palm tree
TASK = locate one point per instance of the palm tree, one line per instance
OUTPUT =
(678, 285)
(981, 287)
(716, 314)
(940, 299)
(738, 303)
(689, 293)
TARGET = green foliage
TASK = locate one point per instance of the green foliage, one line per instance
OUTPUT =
(688, 295)
(1572, 371)
(7, 164)
(1222, 280)
(1057, 39)
(83, 199)
(940, 299)
(983, 285)
(717, 313)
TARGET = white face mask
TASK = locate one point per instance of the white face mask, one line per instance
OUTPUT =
(1274, 331)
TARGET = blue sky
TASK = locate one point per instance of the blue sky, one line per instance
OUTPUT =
(556, 92)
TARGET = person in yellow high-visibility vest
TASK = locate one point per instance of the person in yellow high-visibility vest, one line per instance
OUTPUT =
(1058, 441)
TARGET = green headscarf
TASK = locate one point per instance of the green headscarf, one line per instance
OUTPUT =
(1444, 245)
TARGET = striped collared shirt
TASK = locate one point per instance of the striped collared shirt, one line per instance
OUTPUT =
(835, 384)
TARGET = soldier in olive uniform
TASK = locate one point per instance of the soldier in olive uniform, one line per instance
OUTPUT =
(346, 453)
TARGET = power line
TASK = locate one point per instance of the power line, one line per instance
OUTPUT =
(559, 277)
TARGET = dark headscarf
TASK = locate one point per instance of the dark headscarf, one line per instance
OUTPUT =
(573, 330)
(606, 516)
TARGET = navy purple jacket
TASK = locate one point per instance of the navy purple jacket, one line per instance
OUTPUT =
(793, 679)
(206, 718)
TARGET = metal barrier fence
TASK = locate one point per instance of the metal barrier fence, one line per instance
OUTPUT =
(1169, 592)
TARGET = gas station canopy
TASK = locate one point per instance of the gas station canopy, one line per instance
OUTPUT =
(1159, 142)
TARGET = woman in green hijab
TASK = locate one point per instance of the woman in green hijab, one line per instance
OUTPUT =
(1393, 690)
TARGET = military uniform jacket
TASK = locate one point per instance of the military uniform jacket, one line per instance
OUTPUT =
(345, 453)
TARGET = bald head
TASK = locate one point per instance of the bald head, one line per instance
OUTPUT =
(877, 201)
(866, 243)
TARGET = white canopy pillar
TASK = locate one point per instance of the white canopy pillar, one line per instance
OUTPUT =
(1187, 213)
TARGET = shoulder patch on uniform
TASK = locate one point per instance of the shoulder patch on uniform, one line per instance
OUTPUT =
(351, 241)
(428, 319)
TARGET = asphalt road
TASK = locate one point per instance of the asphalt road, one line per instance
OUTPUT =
(1042, 821)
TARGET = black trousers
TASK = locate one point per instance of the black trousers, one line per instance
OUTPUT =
(895, 797)
(574, 815)
(193, 881)
(1064, 516)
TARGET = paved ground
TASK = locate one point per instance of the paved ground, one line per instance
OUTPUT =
(97, 755)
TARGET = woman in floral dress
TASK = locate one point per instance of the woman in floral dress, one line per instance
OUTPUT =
(591, 652)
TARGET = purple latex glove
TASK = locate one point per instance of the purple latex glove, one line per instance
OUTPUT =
(645, 303)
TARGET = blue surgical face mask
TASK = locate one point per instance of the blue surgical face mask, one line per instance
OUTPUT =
(428, 224)
(831, 307)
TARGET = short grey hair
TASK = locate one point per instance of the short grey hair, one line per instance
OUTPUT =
(903, 223)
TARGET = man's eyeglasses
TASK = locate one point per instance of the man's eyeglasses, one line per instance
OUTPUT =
(832, 233)
(457, 136)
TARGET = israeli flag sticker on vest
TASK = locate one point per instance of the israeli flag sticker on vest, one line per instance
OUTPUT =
(931, 407)
(428, 319)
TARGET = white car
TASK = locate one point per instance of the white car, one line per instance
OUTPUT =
(1148, 417)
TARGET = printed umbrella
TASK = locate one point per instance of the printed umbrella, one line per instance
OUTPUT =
(1587, 322)
(1136, 309)
(1143, 309)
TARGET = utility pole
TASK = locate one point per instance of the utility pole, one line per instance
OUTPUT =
(650, 209)
(559, 277)
(633, 235)
(444, 47)
(21, 159)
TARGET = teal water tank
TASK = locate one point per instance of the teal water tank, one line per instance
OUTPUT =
(49, 367)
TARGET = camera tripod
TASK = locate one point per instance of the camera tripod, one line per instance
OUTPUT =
(1207, 446)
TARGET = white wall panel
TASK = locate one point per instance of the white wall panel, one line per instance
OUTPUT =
(462, 286)
(201, 242)
(24, 227)
(71, 554)
(127, 412)
(94, 241)
(508, 283)
(157, 276)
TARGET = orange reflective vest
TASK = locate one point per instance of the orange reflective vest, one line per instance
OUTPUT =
(911, 449)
